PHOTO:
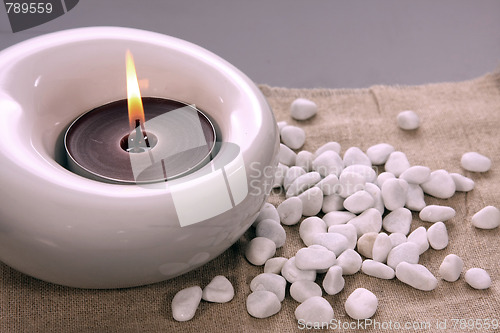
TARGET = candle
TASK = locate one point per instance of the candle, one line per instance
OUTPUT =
(156, 140)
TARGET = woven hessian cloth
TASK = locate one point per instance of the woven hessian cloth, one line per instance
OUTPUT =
(455, 118)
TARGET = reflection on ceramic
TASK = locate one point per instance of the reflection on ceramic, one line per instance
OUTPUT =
(67, 229)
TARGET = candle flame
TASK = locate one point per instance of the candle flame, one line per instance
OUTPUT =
(135, 108)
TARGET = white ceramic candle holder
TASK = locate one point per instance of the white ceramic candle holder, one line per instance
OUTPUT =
(67, 229)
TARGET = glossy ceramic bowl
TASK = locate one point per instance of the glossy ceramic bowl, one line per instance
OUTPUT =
(67, 229)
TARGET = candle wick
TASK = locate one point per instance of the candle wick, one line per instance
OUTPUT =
(141, 138)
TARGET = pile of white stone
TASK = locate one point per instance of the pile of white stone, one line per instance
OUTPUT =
(365, 227)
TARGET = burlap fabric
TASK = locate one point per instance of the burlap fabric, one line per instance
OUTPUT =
(456, 118)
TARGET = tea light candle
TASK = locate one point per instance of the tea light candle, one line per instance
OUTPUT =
(156, 140)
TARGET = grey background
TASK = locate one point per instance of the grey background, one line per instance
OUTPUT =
(313, 43)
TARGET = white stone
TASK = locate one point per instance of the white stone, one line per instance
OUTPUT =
(292, 273)
(337, 243)
(397, 163)
(475, 162)
(303, 289)
(399, 220)
(350, 261)
(279, 175)
(303, 109)
(281, 124)
(274, 265)
(328, 162)
(348, 230)
(358, 202)
(271, 282)
(477, 278)
(290, 211)
(394, 193)
(263, 304)
(329, 184)
(365, 244)
(379, 153)
(309, 227)
(436, 213)
(304, 160)
(381, 247)
(259, 250)
(185, 303)
(366, 171)
(303, 183)
(407, 252)
(487, 218)
(408, 120)
(416, 275)
(314, 311)
(286, 156)
(349, 183)
(415, 198)
(292, 173)
(368, 221)
(419, 238)
(332, 145)
(315, 258)
(397, 238)
(334, 282)
(361, 304)
(416, 174)
(462, 183)
(437, 236)
(377, 269)
(219, 290)
(383, 177)
(332, 203)
(451, 268)
(338, 218)
(268, 211)
(312, 201)
(272, 230)
(375, 192)
(293, 137)
(439, 185)
(354, 155)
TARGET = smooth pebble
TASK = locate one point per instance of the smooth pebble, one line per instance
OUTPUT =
(381, 247)
(437, 236)
(332, 145)
(436, 213)
(338, 218)
(219, 290)
(309, 227)
(366, 171)
(304, 160)
(397, 238)
(329, 184)
(290, 211)
(462, 183)
(185, 303)
(397, 163)
(302, 183)
(314, 311)
(303, 109)
(262, 304)
(354, 155)
(348, 230)
(361, 304)
(405, 252)
(416, 174)
(274, 265)
(268, 211)
(394, 193)
(315, 258)
(286, 156)
(379, 153)
(272, 230)
(475, 162)
(381, 178)
(399, 220)
(337, 243)
(477, 278)
(358, 202)
(375, 192)
(312, 201)
(259, 250)
(333, 282)
(417, 276)
(304, 289)
(350, 261)
(377, 269)
(281, 124)
(350, 182)
(292, 273)
(271, 282)
(327, 163)
(365, 244)
(408, 120)
(332, 203)
(279, 175)
(293, 137)
(439, 185)
(487, 218)
(451, 268)
(415, 198)
(292, 173)
(419, 238)
(368, 221)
